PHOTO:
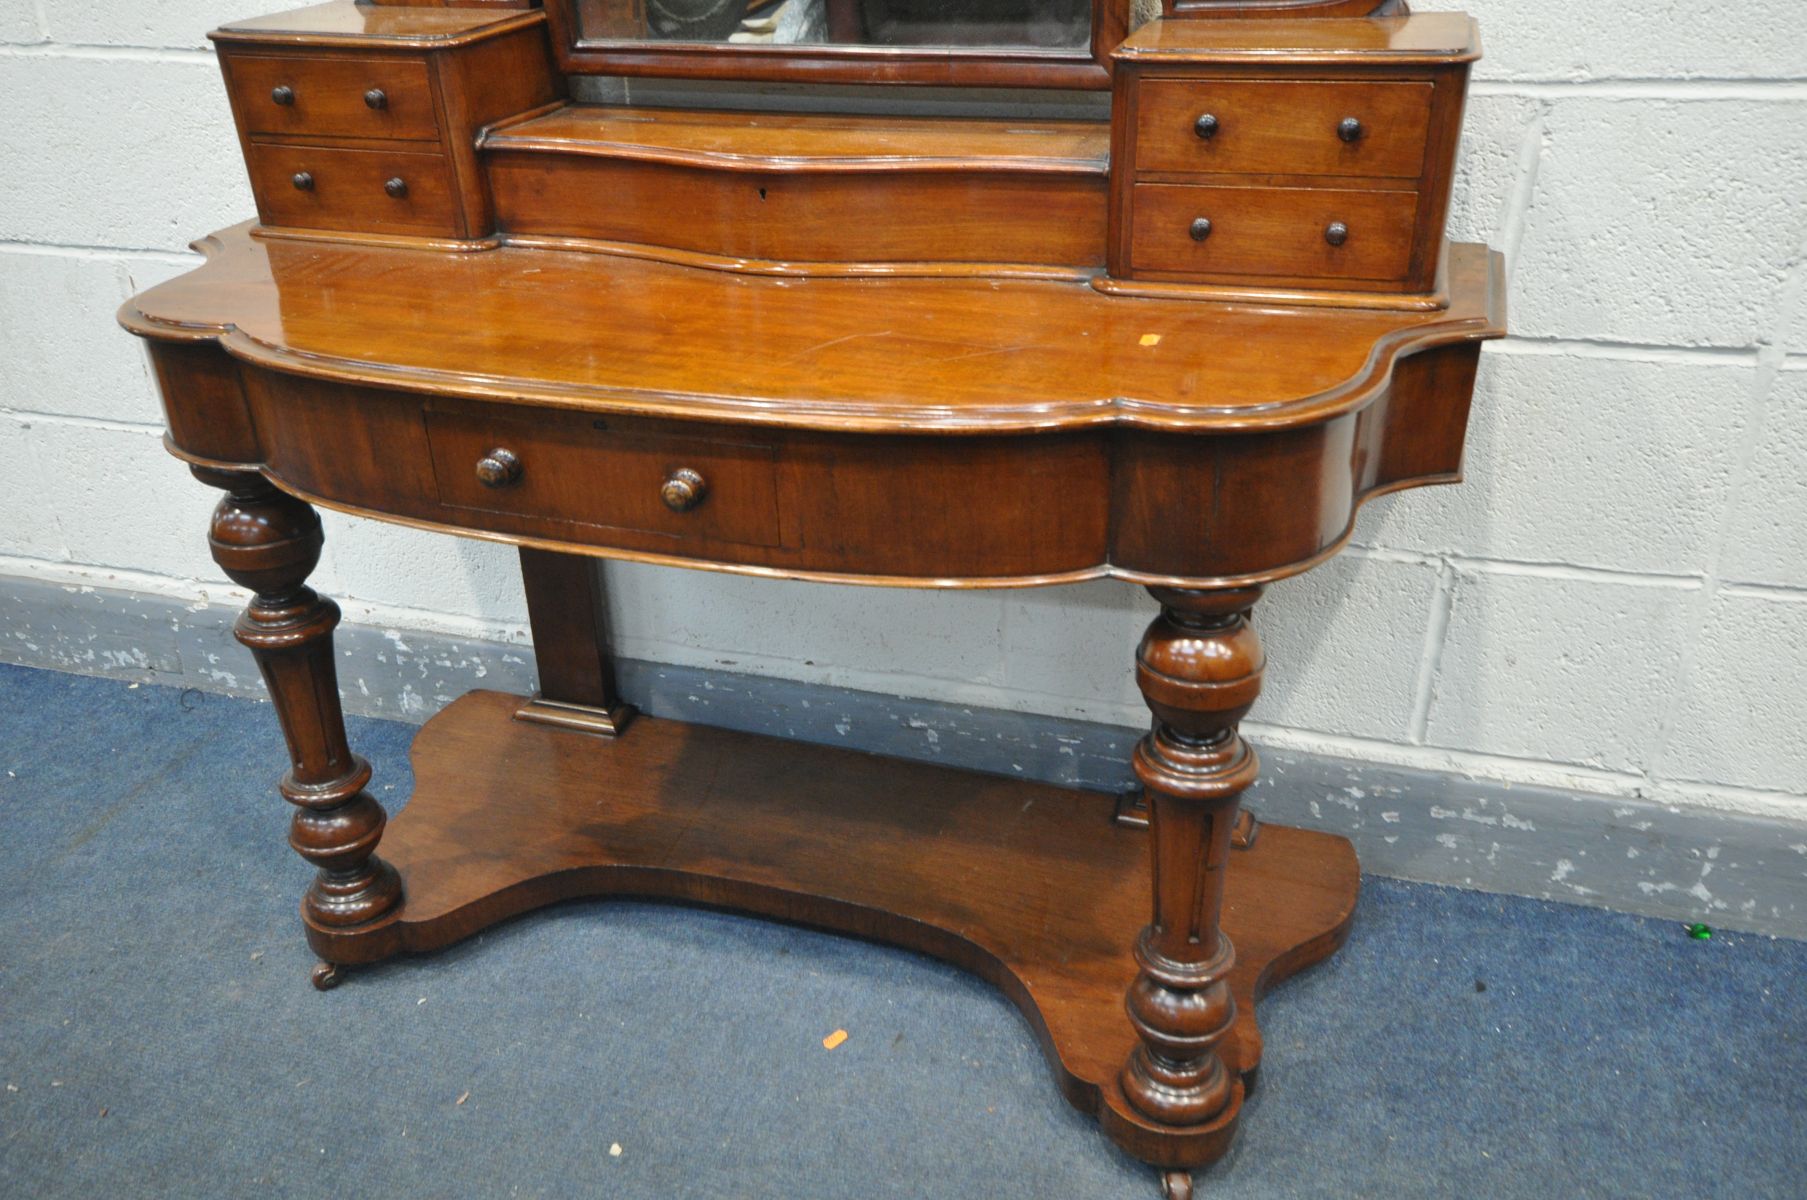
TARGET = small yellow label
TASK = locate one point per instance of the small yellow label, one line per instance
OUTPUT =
(1151, 339)
(834, 1039)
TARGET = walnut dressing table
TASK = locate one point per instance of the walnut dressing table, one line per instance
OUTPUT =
(1179, 346)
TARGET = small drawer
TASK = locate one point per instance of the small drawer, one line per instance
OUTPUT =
(371, 191)
(571, 467)
(292, 95)
(1274, 232)
(1377, 130)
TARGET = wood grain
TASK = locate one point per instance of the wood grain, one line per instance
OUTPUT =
(1031, 887)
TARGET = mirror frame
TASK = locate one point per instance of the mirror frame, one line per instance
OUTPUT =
(957, 66)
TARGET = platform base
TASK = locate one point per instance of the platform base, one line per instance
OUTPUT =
(1034, 888)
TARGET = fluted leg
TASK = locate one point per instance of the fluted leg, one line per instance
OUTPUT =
(1199, 668)
(269, 541)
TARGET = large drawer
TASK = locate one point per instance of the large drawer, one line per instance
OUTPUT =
(1272, 232)
(318, 96)
(572, 467)
(1283, 127)
(376, 191)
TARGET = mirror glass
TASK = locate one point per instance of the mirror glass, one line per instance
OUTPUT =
(1000, 24)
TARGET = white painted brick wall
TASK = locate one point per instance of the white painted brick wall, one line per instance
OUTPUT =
(1615, 601)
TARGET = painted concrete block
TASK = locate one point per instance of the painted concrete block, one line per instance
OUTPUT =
(28, 527)
(1589, 461)
(19, 23)
(1670, 39)
(1767, 537)
(56, 310)
(177, 24)
(1739, 720)
(124, 174)
(1494, 132)
(121, 501)
(1663, 222)
(942, 644)
(371, 562)
(1559, 669)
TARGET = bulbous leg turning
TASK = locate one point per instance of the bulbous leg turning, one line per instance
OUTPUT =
(269, 542)
(1199, 669)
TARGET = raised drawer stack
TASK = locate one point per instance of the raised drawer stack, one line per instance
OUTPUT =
(1305, 158)
(365, 119)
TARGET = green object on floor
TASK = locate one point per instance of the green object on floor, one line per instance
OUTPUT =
(1701, 933)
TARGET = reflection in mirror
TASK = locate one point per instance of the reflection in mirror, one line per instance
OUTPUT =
(1010, 24)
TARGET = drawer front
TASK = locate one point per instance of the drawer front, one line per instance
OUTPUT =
(1282, 127)
(292, 95)
(319, 187)
(570, 467)
(1275, 232)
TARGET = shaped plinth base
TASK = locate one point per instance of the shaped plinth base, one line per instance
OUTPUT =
(1031, 887)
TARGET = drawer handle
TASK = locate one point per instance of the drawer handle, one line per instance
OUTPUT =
(499, 468)
(1350, 129)
(282, 96)
(1201, 229)
(376, 98)
(1205, 126)
(683, 490)
(397, 188)
(1337, 233)
(303, 181)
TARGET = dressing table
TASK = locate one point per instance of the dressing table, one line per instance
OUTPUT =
(1178, 346)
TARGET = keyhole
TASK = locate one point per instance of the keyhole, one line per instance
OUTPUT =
(762, 193)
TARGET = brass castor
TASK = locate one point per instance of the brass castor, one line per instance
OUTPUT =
(328, 976)
(1176, 1185)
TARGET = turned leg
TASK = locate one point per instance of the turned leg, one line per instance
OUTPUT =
(269, 541)
(1199, 668)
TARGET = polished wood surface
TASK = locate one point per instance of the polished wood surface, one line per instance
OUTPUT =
(1029, 886)
(1181, 348)
(807, 188)
(1330, 142)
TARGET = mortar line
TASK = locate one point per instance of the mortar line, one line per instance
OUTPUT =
(99, 253)
(98, 53)
(1531, 150)
(99, 424)
(1647, 88)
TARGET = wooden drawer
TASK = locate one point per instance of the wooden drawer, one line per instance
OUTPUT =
(319, 187)
(1282, 127)
(1274, 232)
(333, 97)
(571, 467)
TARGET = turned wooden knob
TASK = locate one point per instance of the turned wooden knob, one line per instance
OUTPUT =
(1206, 126)
(1200, 228)
(376, 98)
(284, 95)
(397, 188)
(303, 181)
(1349, 129)
(1337, 233)
(499, 468)
(683, 490)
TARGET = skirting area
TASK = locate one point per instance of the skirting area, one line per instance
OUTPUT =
(1730, 870)
(158, 1036)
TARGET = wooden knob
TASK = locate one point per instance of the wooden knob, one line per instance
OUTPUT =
(499, 468)
(1337, 233)
(303, 181)
(1205, 126)
(376, 98)
(683, 490)
(1349, 129)
(1201, 229)
(397, 188)
(283, 95)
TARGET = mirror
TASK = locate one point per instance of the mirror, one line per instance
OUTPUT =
(1023, 43)
(1026, 24)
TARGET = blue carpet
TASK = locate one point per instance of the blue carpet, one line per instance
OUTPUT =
(158, 1036)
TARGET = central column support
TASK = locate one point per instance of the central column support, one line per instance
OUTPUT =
(1199, 669)
(568, 611)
